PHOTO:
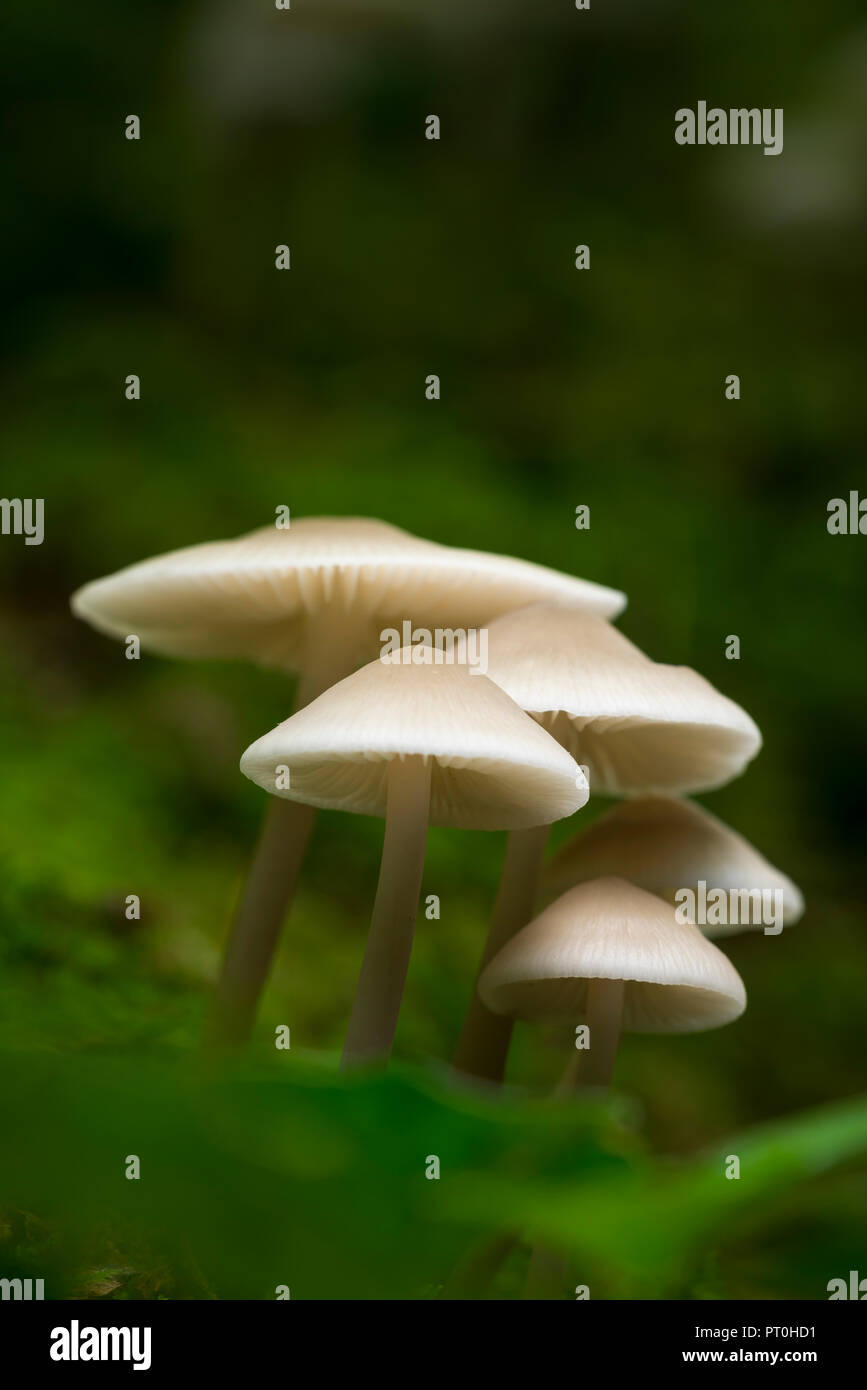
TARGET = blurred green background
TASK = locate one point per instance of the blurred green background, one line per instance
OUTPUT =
(306, 388)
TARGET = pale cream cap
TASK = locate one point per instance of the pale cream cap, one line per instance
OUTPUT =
(676, 980)
(255, 596)
(665, 844)
(493, 767)
(637, 725)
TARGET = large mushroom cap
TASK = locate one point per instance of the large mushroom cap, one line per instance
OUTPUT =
(664, 844)
(493, 767)
(252, 597)
(638, 726)
(676, 981)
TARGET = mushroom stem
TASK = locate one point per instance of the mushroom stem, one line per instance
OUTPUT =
(604, 1020)
(548, 1269)
(484, 1042)
(376, 1007)
(276, 864)
(594, 1066)
(270, 886)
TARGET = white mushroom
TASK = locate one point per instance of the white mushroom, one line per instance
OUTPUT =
(311, 598)
(669, 847)
(612, 956)
(617, 956)
(415, 743)
(638, 725)
(635, 725)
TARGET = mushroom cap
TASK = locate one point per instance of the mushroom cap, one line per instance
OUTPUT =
(638, 725)
(664, 844)
(676, 980)
(493, 767)
(251, 597)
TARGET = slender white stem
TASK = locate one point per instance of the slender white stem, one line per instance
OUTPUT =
(268, 890)
(604, 1022)
(277, 861)
(590, 1068)
(376, 1008)
(484, 1042)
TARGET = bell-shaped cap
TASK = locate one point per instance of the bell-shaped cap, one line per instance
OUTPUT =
(637, 725)
(666, 845)
(256, 596)
(675, 980)
(493, 767)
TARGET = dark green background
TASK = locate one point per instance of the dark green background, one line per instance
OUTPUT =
(306, 388)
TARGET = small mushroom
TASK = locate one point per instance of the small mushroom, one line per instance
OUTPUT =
(417, 743)
(634, 724)
(311, 598)
(666, 845)
(613, 956)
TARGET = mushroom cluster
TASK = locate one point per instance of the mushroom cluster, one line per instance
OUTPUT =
(311, 599)
(564, 707)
